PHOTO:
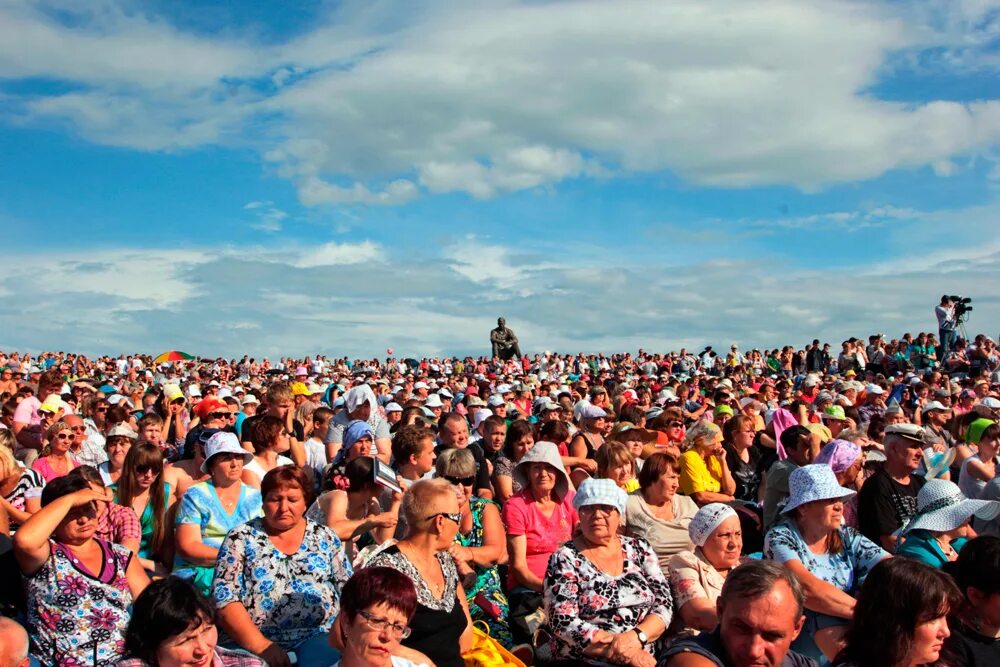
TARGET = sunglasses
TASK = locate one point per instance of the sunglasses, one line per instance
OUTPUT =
(146, 469)
(218, 415)
(100, 409)
(79, 429)
(460, 481)
(456, 517)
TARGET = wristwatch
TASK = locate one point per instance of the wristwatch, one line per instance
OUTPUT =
(643, 638)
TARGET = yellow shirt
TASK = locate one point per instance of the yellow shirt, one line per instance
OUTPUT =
(696, 476)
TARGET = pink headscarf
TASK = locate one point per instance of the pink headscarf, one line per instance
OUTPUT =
(781, 420)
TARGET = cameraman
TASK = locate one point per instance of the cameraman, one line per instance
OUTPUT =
(946, 325)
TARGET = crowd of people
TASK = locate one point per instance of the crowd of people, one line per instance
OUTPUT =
(774, 507)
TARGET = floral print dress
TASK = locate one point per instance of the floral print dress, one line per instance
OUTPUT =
(581, 599)
(290, 598)
(487, 601)
(78, 618)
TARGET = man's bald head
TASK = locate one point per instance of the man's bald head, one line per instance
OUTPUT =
(13, 643)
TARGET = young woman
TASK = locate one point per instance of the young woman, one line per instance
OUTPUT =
(55, 460)
(143, 486)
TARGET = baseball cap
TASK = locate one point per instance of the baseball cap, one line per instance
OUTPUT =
(935, 405)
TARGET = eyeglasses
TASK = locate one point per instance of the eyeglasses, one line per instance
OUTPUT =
(460, 481)
(606, 510)
(456, 516)
(385, 625)
(79, 429)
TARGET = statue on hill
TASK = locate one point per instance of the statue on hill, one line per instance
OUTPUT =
(504, 341)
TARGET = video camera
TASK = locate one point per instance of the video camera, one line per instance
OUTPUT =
(962, 307)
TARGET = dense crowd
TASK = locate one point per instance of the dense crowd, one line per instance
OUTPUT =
(769, 507)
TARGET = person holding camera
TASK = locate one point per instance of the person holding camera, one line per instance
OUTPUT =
(945, 313)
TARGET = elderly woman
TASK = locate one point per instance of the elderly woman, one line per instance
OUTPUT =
(480, 543)
(79, 587)
(355, 514)
(378, 607)
(901, 617)
(519, 439)
(210, 509)
(940, 529)
(441, 626)
(657, 513)
(20, 488)
(829, 559)
(278, 578)
(975, 623)
(606, 599)
(55, 460)
(173, 625)
(539, 518)
(357, 440)
(117, 442)
(143, 486)
(615, 462)
(979, 469)
(845, 458)
(270, 441)
(705, 474)
(697, 576)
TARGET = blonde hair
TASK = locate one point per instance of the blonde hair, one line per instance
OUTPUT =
(51, 432)
(8, 464)
(419, 498)
(613, 454)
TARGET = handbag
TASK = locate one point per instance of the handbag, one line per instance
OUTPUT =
(488, 652)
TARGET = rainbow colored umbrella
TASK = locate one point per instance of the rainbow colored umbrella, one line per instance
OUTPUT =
(172, 355)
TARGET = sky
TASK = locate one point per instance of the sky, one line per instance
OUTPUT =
(342, 178)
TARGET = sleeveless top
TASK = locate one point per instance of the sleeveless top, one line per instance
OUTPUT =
(147, 526)
(77, 617)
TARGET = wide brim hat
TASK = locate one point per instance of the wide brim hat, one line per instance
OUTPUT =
(223, 442)
(814, 482)
(942, 507)
(646, 436)
(542, 452)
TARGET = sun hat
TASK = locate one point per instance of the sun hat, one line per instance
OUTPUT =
(393, 407)
(481, 416)
(834, 412)
(723, 410)
(495, 401)
(223, 442)
(591, 411)
(122, 430)
(420, 385)
(594, 491)
(542, 452)
(706, 520)
(813, 482)
(250, 399)
(990, 402)
(444, 392)
(934, 405)
(839, 455)
(475, 402)
(433, 401)
(976, 429)
(941, 507)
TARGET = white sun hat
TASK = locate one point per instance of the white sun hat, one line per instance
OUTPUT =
(813, 482)
(941, 507)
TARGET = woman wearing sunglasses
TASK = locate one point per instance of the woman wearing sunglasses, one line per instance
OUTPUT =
(441, 627)
(55, 460)
(480, 544)
(144, 487)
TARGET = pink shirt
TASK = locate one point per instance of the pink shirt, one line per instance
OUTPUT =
(42, 467)
(27, 411)
(544, 534)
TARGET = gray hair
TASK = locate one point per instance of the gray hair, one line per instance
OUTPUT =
(757, 578)
(13, 643)
(455, 462)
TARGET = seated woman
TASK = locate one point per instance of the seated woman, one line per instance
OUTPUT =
(480, 544)
(442, 629)
(143, 486)
(358, 440)
(606, 599)
(173, 625)
(539, 518)
(210, 509)
(79, 587)
(696, 577)
(975, 623)
(55, 460)
(189, 471)
(979, 469)
(743, 457)
(705, 474)
(378, 607)
(586, 441)
(114, 523)
(519, 439)
(900, 619)
(657, 513)
(829, 560)
(270, 441)
(278, 578)
(20, 488)
(845, 458)
(615, 462)
(940, 529)
(355, 514)
(117, 443)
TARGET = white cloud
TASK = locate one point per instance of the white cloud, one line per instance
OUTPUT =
(335, 254)
(489, 99)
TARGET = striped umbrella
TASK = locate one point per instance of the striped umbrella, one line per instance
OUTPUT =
(172, 355)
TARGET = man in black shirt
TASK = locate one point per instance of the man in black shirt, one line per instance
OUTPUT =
(453, 432)
(889, 498)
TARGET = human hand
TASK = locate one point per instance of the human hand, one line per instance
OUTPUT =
(383, 521)
(90, 495)
(625, 645)
(460, 553)
(590, 465)
(275, 656)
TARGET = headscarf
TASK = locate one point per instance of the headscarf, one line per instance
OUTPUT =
(839, 455)
(706, 520)
(782, 419)
(975, 432)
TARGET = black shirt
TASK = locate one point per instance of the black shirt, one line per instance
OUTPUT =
(884, 504)
(971, 649)
(746, 475)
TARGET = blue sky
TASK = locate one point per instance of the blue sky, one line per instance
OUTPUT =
(319, 177)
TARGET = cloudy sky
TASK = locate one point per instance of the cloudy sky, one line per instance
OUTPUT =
(341, 177)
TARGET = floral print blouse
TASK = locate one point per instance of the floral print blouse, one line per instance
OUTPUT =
(289, 598)
(581, 599)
